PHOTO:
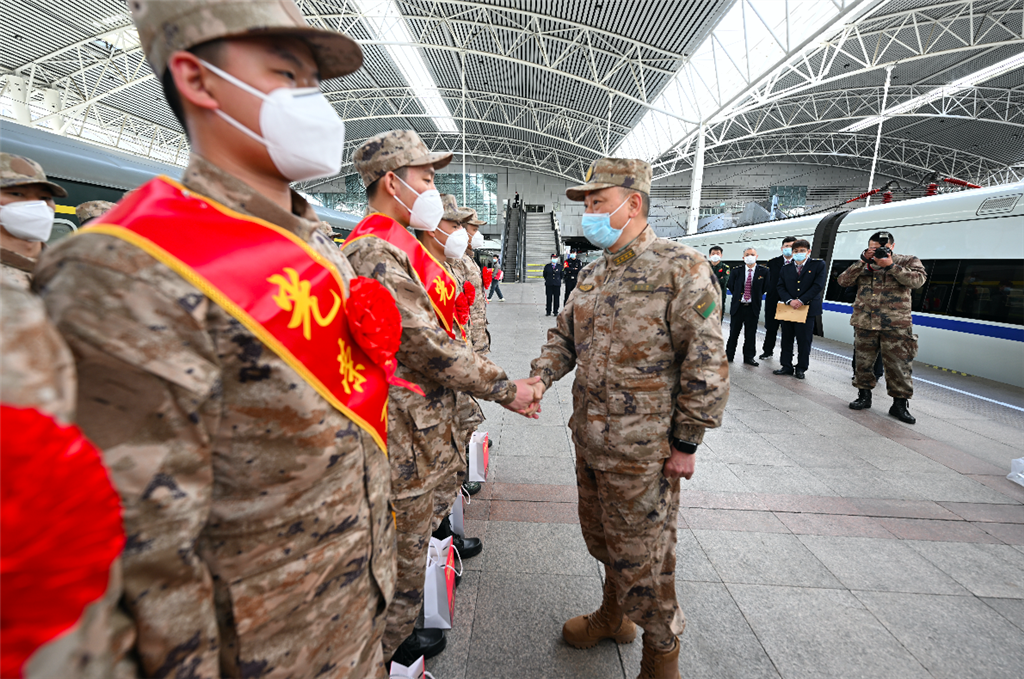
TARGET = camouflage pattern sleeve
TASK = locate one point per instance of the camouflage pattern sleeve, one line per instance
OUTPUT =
(451, 363)
(36, 366)
(558, 355)
(697, 339)
(848, 278)
(909, 271)
(152, 400)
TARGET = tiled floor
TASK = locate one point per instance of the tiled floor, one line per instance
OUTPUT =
(814, 541)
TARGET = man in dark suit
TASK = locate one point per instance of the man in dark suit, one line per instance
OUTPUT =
(771, 301)
(553, 283)
(800, 284)
(747, 284)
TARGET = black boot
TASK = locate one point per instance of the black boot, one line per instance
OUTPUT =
(472, 487)
(425, 642)
(467, 547)
(900, 412)
(863, 401)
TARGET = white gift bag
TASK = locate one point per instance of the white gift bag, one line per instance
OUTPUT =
(439, 587)
(478, 456)
(458, 514)
(1016, 472)
(413, 671)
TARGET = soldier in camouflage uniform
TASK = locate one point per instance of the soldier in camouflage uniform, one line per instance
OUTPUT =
(25, 227)
(882, 322)
(38, 371)
(93, 209)
(468, 415)
(423, 438)
(478, 314)
(651, 376)
(260, 540)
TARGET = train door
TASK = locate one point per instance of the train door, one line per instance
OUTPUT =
(821, 248)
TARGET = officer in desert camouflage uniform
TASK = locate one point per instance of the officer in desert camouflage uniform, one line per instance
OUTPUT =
(397, 168)
(882, 322)
(93, 209)
(26, 217)
(642, 331)
(260, 540)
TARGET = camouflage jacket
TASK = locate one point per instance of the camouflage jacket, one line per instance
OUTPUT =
(478, 313)
(15, 269)
(643, 332)
(256, 513)
(423, 432)
(38, 371)
(468, 414)
(883, 297)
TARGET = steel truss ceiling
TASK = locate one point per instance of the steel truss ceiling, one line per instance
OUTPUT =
(549, 86)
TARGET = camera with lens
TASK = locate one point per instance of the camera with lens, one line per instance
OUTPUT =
(882, 252)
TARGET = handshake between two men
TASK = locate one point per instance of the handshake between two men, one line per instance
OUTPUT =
(529, 392)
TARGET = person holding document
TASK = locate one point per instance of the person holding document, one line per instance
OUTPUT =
(800, 288)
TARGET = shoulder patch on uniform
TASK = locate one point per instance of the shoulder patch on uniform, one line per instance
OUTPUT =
(586, 287)
(643, 287)
(705, 305)
(624, 257)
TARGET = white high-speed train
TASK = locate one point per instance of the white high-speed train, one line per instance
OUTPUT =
(969, 316)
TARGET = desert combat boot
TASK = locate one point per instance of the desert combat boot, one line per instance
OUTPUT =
(607, 622)
(657, 664)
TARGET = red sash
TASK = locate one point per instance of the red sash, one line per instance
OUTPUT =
(435, 279)
(271, 281)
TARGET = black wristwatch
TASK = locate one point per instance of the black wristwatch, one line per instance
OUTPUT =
(682, 446)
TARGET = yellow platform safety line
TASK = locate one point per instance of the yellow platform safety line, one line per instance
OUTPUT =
(947, 370)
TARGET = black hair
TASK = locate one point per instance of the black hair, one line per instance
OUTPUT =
(801, 243)
(715, 247)
(207, 51)
(789, 239)
(371, 190)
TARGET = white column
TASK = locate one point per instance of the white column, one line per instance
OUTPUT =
(878, 133)
(18, 91)
(52, 102)
(693, 215)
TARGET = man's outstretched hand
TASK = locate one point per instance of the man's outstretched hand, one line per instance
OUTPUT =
(528, 395)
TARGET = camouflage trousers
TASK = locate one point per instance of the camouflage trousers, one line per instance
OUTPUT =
(629, 525)
(469, 416)
(898, 347)
(413, 524)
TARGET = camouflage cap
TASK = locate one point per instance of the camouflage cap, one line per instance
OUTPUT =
(19, 171)
(166, 26)
(389, 151)
(628, 173)
(92, 210)
(452, 211)
(472, 218)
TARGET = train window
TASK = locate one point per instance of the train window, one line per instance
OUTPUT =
(933, 297)
(989, 290)
(61, 228)
(835, 292)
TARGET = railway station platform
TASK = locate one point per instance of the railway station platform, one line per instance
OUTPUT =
(814, 541)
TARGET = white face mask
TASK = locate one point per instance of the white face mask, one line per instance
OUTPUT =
(426, 213)
(30, 220)
(301, 130)
(456, 244)
(715, 259)
(478, 240)
(554, 261)
(750, 259)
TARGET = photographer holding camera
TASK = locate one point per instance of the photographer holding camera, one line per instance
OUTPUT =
(881, 321)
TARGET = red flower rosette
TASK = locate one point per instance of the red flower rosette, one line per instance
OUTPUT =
(376, 326)
(485, 273)
(470, 291)
(462, 309)
(60, 530)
